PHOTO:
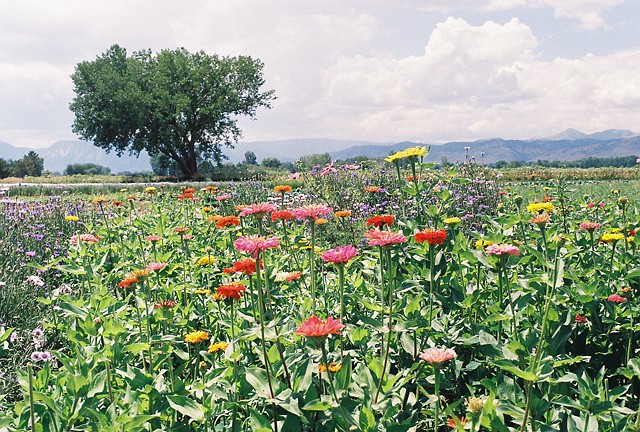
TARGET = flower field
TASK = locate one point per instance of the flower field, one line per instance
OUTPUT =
(351, 298)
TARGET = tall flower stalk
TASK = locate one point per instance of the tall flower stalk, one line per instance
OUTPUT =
(437, 357)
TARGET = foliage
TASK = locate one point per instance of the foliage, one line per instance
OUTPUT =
(30, 165)
(86, 169)
(176, 104)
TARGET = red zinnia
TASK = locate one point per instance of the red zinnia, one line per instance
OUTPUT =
(282, 214)
(433, 237)
(128, 281)
(246, 266)
(226, 221)
(580, 319)
(378, 221)
(164, 304)
(233, 291)
(617, 298)
(315, 327)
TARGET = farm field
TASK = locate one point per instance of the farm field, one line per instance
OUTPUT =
(401, 298)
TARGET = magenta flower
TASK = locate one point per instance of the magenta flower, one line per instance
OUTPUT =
(384, 238)
(502, 250)
(258, 209)
(340, 255)
(83, 238)
(255, 244)
(438, 356)
(617, 298)
(315, 327)
(156, 266)
(313, 211)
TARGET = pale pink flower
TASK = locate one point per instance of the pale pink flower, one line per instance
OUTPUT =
(340, 255)
(83, 238)
(153, 238)
(223, 197)
(616, 298)
(255, 244)
(258, 209)
(156, 266)
(313, 211)
(502, 249)
(384, 238)
(438, 356)
(294, 176)
(589, 226)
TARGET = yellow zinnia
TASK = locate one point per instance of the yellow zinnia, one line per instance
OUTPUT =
(540, 207)
(218, 346)
(196, 336)
(71, 218)
(205, 260)
(452, 220)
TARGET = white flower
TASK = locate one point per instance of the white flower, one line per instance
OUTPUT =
(35, 280)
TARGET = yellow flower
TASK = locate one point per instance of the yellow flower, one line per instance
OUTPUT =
(99, 200)
(71, 218)
(206, 209)
(546, 188)
(139, 274)
(631, 239)
(150, 190)
(475, 404)
(322, 367)
(415, 152)
(205, 260)
(540, 207)
(452, 220)
(612, 237)
(196, 336)
(394, 157)
(203, 291)
(481, 243)
(321, 221)
(616, 230)
(334, 367)
(218, 346)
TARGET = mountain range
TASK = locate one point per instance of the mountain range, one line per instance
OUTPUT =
(565, 146)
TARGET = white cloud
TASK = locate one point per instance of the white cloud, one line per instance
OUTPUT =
(587, 12)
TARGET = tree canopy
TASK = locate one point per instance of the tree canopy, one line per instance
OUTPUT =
(180, 105)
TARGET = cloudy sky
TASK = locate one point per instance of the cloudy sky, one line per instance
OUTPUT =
(375, 70)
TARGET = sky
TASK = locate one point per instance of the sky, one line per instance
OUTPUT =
(374, 70)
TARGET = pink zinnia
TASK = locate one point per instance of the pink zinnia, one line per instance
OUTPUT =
(223, 197)
(258, 209)
(617, 298)
(589, 226)
(315, 327)
(313, 211)
(340, 255)
(83, 238)
(502, 249)
(384, 238)
(153, 238)
(156, 266)
(438, 356)
(255, 243)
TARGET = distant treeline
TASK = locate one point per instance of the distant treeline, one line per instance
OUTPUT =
(590, 162)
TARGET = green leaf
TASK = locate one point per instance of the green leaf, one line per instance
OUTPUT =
(510, 367)
(186, 406)
(317, 405)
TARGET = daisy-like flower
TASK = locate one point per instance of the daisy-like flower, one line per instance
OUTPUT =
(438, 356)
(589, 226)
(218, 346)
(281, 214)
(255, 244)
(612, 237)
(72, 218)
(384, 238)
(206, 260)
(223, 197)
(232, 291)
(180, 230)
(581, 319)
(372, 189)
(380, 221)
(540, 219)
(150, 190)
(343, 213)
(431, 236)
(452, 221)
(616, 298)
(128, 281)
(258, 210)
(321, 221)
(246, 266)
(35, 280)
(452, 423)
(196, 337)
(164, 304)
(153, 238)
(502, 250)
(226, 221)
(99, 200)
(313, 211)
(316, 328)
(282, 188)
(414, 152)
(340, 255)
(540, 207)
(288, 276)
(156, 266)
(84, 238)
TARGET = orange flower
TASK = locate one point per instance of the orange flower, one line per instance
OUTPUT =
(232, 291)
(226, 221)
(130, 280)
(343, 213)
(540, 219)
(180, 230)
(214, 218)
(211, 189)
(452, 423)
(282, 188)
(372, 189)
(321, 221)
(116, 203)
(379, 221)
(433, 237)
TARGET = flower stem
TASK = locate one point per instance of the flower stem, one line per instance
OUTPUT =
(386, 350)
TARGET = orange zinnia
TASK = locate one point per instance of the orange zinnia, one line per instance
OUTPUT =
(379, 221)
(433, 237)
(226, 221)
(282, 188)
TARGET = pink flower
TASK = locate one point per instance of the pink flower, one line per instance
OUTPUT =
(438, 356)
(294, 176)
(315, 327)
(223, 197)
(502, 250)
(83, 238)
(313, 211)
(255, 244)
(340, 255)
(384, 238)
(258, 210)
(617, 298)
(153, 238)
(589, 226)
(580, 319)
(156, 266)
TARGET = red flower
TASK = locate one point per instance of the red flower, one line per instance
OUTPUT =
(294, 276)
(246, 266)
(128, 281)
(433, 237)
(379, 221)
(282, 214)
(617, 298)
(315, 327)
(164, 304)
(580, 319)
(452, 423)
(226, 221)
(233, 291)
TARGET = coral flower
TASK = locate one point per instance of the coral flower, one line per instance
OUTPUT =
(502, 250)
(156, 266)
(196, 337)
(431, 236)
(589, 226)
(315, 327)
(226, 221)
(258, 210)
(180, 230)
(223, 197)
(293, 276)
(233, 291)
(167, 304)
(282, 214)
(372, 189)
(379, 221)
(343, 213)
(246, 266)
(84, 238)
(617, 298)
(580, 319)
(384, 238)
(540, 219)
(438, 356)
(255, 244)
(452, 423)
(153, 238)
(128, 281)
(282, 188)
(340, 255)
(313, 211)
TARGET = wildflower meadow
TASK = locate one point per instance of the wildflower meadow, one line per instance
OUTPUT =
(395, 297)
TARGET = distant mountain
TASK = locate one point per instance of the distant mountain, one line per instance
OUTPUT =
(568, 145)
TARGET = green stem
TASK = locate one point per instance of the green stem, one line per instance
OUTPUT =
(389, 327)
(436, 417)
(31, 401)
(312, 265)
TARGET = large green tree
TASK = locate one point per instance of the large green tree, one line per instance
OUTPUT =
(180, 105)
